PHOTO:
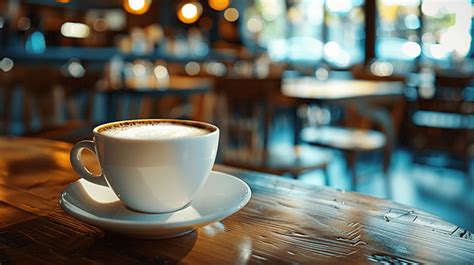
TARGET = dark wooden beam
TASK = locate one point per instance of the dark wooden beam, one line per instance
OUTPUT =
(370, 30)
(79, 4)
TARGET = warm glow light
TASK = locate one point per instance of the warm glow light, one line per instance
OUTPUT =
(411, 49)
(337, 6)
(272, 10)
(332, 49)
(161, 72)
(295, 15)
(24, 23)
(343, 60)
(139, 70)
(430, 8)
(219, 4)
(438, 51)
(192, 68)
(63, 1)
(322, 74)
(136, 7)
(75, 69)
(190, 12)
(136, 4)
(75, 30)
(398, 2)
(6, 64)
(231, 14)
(427, 38)
(215, 68)
(381, 68)
(456, 39)
(254, 25)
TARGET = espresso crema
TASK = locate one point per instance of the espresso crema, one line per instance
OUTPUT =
(153, 131)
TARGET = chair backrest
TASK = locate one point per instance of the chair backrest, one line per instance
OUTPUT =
(450, 96)
(360, 72)
(245, 109)
(446, 115)
(453, 81)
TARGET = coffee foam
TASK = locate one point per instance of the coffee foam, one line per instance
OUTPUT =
(154, 131)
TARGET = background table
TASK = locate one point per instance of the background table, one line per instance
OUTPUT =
(340, 89)
(365, 95)
(286, 221)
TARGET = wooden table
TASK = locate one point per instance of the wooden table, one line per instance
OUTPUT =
(285, 222)
(181, 86)
(340, 89)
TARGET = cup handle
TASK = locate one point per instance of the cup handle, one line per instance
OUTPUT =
(75, 157)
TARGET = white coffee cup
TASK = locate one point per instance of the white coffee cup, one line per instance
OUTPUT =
(150, 175)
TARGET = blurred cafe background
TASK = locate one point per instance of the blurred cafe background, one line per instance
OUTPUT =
(374, 96)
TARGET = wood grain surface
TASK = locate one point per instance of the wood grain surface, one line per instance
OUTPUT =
(286, 221)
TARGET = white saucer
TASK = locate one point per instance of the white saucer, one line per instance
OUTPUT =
(221, 196)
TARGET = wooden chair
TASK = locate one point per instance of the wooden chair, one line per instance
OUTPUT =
(245, 110)
(441, 125)
(356, 136)
(352, 142)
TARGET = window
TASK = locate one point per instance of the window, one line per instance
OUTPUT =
(436, 31)
(446, 35)
(345, 32)
(263, 22)
(398, 23)
(307, 31)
